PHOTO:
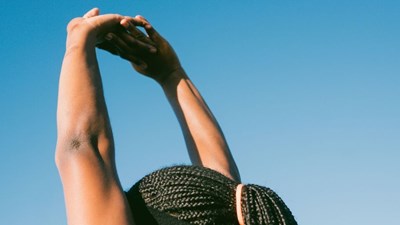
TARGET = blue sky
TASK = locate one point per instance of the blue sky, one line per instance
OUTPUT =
(307, 93)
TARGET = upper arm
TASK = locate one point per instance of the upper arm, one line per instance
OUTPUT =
(93, 194)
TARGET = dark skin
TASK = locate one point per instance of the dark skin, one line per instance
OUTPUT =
(157, 64)
(85, 146)
(204, 138)
(85, 153)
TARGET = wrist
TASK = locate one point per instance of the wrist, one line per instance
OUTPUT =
(79, 34)
(80, 41)
(172, 77)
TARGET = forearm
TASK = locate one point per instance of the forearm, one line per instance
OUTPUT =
(204, 138)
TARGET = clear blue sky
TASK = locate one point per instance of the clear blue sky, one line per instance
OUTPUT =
(307, 93)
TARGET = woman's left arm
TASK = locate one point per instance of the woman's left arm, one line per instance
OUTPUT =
(204, 138)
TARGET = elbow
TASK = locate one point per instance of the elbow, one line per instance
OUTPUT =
(79, 146)
(69, 146)
(86, 139)
(75, 131)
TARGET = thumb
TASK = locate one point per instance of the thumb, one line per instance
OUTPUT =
(91, 13)
(105, 23)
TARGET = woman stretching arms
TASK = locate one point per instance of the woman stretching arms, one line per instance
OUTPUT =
(209, 192)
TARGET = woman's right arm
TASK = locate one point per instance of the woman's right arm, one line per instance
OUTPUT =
(204, 138)
(85, 147)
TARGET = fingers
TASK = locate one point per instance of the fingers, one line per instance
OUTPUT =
(103, 24)
(141, 21)
(153, 34)
(128, 41)
(130, 26)
(109, 47)
(91, 13)
(126, 51)
(136, 33)
(113, 49)
(130, 44)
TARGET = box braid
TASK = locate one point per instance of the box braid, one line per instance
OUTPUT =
(203, 196)
(262, 206)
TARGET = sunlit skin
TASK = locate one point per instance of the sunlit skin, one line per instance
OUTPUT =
(85, 146)
(204, 139)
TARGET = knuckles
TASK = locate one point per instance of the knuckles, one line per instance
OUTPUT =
(74, 24)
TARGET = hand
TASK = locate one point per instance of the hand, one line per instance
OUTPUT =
(158, 62)
(91, 28)
(138, 40)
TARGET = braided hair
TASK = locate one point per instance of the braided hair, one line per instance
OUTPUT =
(201, 196)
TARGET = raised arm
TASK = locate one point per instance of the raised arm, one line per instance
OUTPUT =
(204, 139)
(85, 148)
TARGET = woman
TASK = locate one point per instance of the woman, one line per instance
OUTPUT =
(209, 192)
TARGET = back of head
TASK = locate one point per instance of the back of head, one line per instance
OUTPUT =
(197, 195)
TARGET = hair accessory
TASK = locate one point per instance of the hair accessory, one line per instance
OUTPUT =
(238, 204)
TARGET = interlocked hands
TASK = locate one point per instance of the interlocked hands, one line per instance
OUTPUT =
(149, 53)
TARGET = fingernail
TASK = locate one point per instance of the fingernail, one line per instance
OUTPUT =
(125, 23)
